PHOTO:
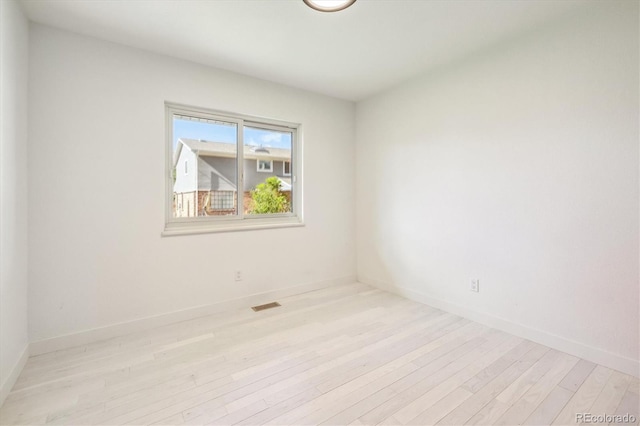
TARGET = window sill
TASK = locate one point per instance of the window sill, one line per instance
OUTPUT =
(177, 229)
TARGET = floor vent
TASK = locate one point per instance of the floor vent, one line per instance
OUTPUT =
(265, 306)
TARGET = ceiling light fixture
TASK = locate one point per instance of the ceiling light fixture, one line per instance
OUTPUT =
(329, 5)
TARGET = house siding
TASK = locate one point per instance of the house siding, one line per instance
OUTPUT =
(208, 173)
(185, 182)
(252, 177)
(223, 180)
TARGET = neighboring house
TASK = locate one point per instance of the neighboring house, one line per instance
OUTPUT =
(205, 175)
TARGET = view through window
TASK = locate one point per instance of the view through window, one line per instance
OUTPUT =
(226, 167)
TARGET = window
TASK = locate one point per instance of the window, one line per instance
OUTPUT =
(222, 200)
(229, 181)
(265, 166)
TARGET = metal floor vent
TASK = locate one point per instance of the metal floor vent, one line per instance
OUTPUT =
(265, 306)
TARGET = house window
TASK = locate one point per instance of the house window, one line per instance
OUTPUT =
(222, 200)
(221, 189)
(265, 166)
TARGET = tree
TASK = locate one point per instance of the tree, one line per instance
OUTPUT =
(267, 197)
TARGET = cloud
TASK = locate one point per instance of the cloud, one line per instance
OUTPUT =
(271, 137)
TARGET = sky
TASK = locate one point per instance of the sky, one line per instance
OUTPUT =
(219, 132)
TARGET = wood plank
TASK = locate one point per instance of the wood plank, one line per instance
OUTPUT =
(577, 375)
(519, 387)
(524, 406)
(611, 394)
(413, 386)
(550, 407)
(380, 382)
(491, 372)
(585, 396)
(629, 406)
(415, 408)
(441, 408)
(344, 355)
(484, 395)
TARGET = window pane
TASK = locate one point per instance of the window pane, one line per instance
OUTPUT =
(205, 171)
(265, 165)
(267, 188)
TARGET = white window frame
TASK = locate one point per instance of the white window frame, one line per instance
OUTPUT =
(198, 225)
(284, 170)
(269, 170)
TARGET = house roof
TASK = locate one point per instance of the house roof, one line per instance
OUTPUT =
(285, 183)
(222, 149)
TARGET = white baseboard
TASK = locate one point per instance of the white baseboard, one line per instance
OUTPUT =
(599, 356)
(116, 330)
(6, 387)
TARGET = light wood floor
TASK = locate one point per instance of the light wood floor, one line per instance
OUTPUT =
(344, 355)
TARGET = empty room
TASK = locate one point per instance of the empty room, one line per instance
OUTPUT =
(319, 212)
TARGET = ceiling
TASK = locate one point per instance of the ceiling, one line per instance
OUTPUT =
(352, 54)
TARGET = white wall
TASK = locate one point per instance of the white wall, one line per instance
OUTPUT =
(13, 196)
(517, 166)
(97, 158)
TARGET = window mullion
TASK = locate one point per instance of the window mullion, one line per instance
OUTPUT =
(240, 166)
(293, 166)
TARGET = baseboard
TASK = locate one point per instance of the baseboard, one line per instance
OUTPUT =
(599, 356)
(6, 387)
(121, 329)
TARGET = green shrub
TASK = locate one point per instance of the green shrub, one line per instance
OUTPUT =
(267, 198)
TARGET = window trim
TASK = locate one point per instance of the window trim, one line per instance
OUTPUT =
(259, 170)
(184, 226)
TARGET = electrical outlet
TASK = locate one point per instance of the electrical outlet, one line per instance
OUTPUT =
(237, 276)
(475, 285)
